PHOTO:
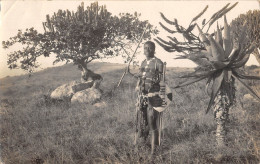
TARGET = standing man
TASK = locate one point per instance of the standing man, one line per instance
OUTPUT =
(148, 86)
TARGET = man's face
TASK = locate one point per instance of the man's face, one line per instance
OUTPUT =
(148, 51)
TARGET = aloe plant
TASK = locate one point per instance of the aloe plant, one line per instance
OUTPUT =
(219, 57)
(224, 56)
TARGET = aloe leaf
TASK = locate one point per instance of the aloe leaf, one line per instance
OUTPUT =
(202, 36)
(201, 62)
(216, 49)
(204, 39)
(163, 41)
(218, 64)
(167, 29)
(222, 12)
(190, 81)
(187, 36)
(197, 60)
(190, 28)
(206, 54)
(251, 49)
(219, 34)
(227, 10)
(177, 26)
(198, 74)
(227, 42)
(229, 74)
(223, 8)
(245, 52)
(214, 17)
(175, 46)
(200, 14)
(201, 54)
(181, 57)
(234, 54)
(167, 20)
(241, 62)
(165, 47)
(243, 76)
(174, 39)
(204, 21)
(217, 81)
(251, 91)
(207, 84)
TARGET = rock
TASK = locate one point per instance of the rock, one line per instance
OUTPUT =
(87, 96)
(66, 91)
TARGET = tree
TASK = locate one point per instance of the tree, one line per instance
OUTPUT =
(79, 37)
(219, 57)
(252, 21)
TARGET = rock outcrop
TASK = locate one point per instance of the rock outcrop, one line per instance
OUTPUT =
(66, 91)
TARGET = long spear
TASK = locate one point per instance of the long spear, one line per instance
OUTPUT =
(127, 68)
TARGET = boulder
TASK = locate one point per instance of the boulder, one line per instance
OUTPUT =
(66, 91)
(87, 96)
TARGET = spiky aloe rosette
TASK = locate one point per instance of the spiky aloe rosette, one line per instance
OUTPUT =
(220, 63)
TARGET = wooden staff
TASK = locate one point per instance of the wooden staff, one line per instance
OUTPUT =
(163, 96)
(127, 68)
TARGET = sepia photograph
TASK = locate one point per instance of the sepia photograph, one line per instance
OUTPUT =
(120, 82)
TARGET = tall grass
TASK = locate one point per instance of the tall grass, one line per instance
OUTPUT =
(36, 130)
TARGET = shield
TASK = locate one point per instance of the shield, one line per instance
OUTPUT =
(167, 99)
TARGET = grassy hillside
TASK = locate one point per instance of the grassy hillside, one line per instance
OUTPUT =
(35, 130)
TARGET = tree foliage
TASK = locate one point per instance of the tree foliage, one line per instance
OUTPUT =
(252, 21)
(80, 37)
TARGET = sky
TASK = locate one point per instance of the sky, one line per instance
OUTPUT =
(25, 14)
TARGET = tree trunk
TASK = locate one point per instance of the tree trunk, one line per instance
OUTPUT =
(221, 110)
(88, 75)
(84, 73)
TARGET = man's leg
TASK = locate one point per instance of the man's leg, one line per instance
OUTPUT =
(152, 123)
(142, 128)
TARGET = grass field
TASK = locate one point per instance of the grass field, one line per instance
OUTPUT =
(36, 130)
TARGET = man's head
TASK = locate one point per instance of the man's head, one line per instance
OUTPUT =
(149, 49)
